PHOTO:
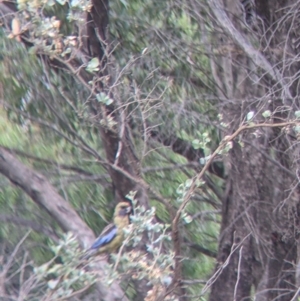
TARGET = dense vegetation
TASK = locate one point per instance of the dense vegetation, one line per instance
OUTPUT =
(189, 108)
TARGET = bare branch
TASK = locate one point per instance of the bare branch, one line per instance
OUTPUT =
(41, 192)
(260, 61)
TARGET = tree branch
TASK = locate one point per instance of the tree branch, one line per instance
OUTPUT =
(185, 149)
(259, 60)
(44, 195)
(175, 223)
(50, 162)
(202, 250)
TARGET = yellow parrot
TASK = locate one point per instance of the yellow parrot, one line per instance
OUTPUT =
(112, 236)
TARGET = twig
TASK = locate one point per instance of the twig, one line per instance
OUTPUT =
(226, 139)
(238, 274)
(15, 251)
(256, 56)
(295, 297)
(215, 276)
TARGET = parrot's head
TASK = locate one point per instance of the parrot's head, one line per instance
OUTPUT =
(123, 209)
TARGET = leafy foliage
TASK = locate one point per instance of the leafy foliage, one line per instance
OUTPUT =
(163, 81)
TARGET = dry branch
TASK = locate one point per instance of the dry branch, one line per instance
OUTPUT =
(45, 196)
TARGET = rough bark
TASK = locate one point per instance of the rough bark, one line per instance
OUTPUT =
(256, 240)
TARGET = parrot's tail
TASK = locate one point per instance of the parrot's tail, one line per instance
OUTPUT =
(88, 254)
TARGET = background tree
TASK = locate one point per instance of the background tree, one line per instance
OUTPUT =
(259, 209)
(193, 105)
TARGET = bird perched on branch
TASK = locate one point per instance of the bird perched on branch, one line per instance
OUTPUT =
(112, 236)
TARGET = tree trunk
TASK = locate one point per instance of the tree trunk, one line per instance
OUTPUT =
(257, 247)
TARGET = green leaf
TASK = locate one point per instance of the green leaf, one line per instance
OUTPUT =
(203, 161)
(250, 115)
(103, 98)
(196, 144)
(180, 190)
(56, 249)
(228, 146)
(109, 101)
(62, 2)
(41, 270)
(50, 3)
(93, 65)
(75, 3)
(187, 219)
(188, 183)
(297, 129)
(125, 3)
(54, 269)
(53, 283)
(267, 113)
(297, 114)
